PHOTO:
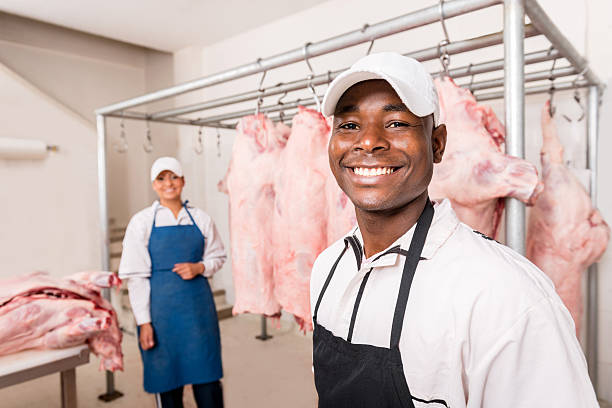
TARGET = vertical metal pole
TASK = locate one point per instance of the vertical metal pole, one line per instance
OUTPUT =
(591, 315)
(264, 329)
(514, 101)
(111, 393)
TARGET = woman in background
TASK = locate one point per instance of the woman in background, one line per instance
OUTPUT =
(169, 251)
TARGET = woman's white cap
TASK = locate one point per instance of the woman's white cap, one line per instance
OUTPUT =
(166, 163)
(408, 77)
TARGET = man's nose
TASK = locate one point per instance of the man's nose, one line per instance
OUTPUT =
(372, 139)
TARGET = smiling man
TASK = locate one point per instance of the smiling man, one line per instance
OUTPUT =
(412, 308)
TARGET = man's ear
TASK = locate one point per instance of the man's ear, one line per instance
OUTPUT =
(438, 142)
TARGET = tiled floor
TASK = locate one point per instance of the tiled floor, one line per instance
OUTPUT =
(274, 373)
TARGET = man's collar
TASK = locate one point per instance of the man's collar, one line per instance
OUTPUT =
(442, 226)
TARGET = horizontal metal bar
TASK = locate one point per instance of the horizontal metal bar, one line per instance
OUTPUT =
(449, 8)
(264, 109)
(421, 55)
(535, 76)
(498, 64)
(175, 121)
(561, 86)
(545, 25)
(530, 77)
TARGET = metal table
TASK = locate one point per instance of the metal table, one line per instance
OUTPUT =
(30, 364)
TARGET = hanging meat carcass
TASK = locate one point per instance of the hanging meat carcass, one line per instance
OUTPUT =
(301, 211)
(566, 234)
(250, 185)
(475, 174)
(41, 312)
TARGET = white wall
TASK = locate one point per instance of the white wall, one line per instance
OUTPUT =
(585, 23)
(64, 75)
(49, 211)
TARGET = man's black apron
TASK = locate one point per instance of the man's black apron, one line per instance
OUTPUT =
(362, 375)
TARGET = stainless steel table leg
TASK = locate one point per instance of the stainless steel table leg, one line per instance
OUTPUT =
(68, 385)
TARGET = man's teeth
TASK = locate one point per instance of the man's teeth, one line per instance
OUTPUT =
(368, 172)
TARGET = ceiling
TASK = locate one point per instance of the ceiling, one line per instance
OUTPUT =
(165, 25)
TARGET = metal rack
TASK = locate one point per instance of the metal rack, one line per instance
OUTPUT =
(513, 79)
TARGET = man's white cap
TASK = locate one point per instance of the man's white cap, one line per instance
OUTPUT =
(408, 77)
(166, 163)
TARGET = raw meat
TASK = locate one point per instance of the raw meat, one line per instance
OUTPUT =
(340, 211)
(250, 184)
(301, 211)
(566, 234)
(475, 174)
(38, 311)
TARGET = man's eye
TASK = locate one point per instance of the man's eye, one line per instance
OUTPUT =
(398, 124)
(350, 126)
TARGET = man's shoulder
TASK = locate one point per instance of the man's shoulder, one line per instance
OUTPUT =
(488, 266)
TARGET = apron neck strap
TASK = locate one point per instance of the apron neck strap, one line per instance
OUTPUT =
(188, 213)
(326, 284)
(412, 259)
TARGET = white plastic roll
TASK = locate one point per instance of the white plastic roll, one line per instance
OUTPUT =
(22, 149)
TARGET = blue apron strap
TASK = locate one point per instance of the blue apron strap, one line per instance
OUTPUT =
(155, 215)
(188, 213)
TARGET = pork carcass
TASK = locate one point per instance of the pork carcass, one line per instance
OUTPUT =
(566, 234)
(475, 174)
(250, 185)
(301, 211)
(38, 311)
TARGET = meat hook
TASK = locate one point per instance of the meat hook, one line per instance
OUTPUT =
(260, 90)
(310, 77)
(148, 144)
(198, 146)
(363, 30)
(121, 146)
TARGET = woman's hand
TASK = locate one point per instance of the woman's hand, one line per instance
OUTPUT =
(188, 270)
(146, 336)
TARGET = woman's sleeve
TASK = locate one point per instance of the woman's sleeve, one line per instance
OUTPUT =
(214, 252)
(135, 259)
(140, 299)
(135, 266)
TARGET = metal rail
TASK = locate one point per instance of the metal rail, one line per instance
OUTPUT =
(421, 55)
(514, 104)
(534, 90)
(545, 25)
(368, 33)
(592, 274)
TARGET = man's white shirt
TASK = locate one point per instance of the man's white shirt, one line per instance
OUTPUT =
(135, 262)
(483, 327)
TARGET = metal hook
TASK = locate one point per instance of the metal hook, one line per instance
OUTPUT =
(148, 144)
(444, 57)
(281, 103)
(363, 29)
(314, 93)
(442, 51)
(260, 90)
(218, 143)
(305, 51)
(469, 71)
(577, 96)
(551, 90)
(440, 5)
(198, 146)
(310, 78)
(121, 146)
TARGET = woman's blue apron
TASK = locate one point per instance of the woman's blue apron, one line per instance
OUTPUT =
(186, 330)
